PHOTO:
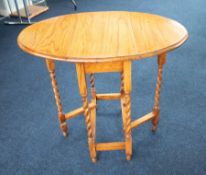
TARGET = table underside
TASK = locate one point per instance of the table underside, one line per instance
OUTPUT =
(89, 108)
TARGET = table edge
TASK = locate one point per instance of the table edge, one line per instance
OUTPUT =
(106, 59)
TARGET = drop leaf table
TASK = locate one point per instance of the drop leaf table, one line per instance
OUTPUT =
(100, 42)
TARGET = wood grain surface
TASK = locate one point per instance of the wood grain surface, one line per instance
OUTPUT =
(102, 36)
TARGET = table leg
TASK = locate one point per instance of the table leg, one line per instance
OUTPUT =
(127, 108)
(61, 116)
(122, 83)
(122, 96)
(156, 109)
(92, 83)
(83, 92)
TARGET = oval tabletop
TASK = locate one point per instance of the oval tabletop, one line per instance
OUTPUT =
(102, 36)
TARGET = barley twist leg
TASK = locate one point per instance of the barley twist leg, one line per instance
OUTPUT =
(156, 108)
(92, 83)
(126, 84)
(122, 83)
(127, 127)
(83, 92)
(61, 116)
(90, 133)
(122, 94)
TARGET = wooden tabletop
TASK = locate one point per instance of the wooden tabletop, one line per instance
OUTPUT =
(102, 36)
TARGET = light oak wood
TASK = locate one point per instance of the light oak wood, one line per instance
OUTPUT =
(93, 110)
(103, 67)
(100, 42)
(142, 120)
(78, 111)
(62, 120)
(110, 96)
(122, 83)
(93, 89)
(93, 122)
(81, 75)
(102, 36)
(122, 98)
(110, 146)
(127, 69)
(156, 109)
(123, 112)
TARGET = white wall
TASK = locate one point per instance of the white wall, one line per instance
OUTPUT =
(4, 8)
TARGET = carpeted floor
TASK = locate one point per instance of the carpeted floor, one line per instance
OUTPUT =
(31, 142)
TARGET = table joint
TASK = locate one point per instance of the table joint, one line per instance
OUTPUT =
(74, 113)
(142, 120)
